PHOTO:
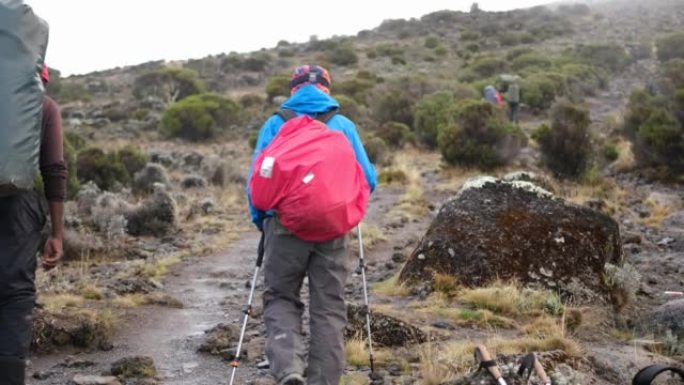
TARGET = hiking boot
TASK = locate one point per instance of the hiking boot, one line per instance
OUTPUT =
(292, 379)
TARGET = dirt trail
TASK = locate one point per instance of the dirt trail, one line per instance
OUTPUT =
(171, 336)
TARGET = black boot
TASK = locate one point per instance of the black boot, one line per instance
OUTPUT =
(12, 371)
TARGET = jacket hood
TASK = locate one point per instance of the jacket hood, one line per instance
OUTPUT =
(310, 100)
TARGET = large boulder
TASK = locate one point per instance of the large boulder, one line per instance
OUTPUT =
(495, 229)
(670, 316)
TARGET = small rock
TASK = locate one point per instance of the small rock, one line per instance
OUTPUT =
(189, 367)
(399, 257)
(76, 363)
(443, 325)
(42, 375)
(219, 339)
(134, 367)
(80, 379)
(193, 181)
(667, 241)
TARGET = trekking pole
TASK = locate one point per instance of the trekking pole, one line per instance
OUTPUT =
(362, 266)
(248, 310)
(486, 362)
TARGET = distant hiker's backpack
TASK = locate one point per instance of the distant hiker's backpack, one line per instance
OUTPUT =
(23, 41)
(310, 177)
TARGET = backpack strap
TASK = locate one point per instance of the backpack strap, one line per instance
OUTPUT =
(649, 373)
(324, 117)
(286, 114)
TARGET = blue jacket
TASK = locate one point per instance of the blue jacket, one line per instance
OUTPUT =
(310, 100)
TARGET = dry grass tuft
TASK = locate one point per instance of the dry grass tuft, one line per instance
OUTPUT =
(354, 379)
(432, 370)
(445, 283)
(511, 299)
(391, 287)
(356, 353)
(412, 204)
(60, 301)
(92, 292)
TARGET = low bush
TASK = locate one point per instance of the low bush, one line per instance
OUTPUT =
(430, 113)
(168, 84)
(132, 159)
(377, 150)
(567, 144)
(612, 57)
(477, 134)
(349, 107)
(394, 134)
(487, 65)
(531, 60)
(671, 47)
(104, 169)
(200, 117)
(343, 55)
(278, 86)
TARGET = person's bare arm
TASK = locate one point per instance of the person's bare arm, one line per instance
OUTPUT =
(53, 250)
(54, 173)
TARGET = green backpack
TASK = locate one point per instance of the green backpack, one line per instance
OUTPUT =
(23, 42)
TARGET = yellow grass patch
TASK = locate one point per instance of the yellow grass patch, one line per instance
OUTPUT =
(391, 287)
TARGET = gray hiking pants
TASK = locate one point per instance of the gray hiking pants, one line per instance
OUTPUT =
(288, 260)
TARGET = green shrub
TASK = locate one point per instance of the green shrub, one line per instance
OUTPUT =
(168, 84)
(612, 57)
(132, 159)
(441, 51)
(674, 73)
(75, 140)
(469, 36)
(431, 42)
(105, 170)
(394, 134)
(256, 62)
(583, 79)
(278, 86)
(530, 60)
(539, 91)
(394, 107)
(349, 107)
(611, 152)
(477, 134)
(508, 39)
(343, 55)
(72, 92)
(671, 47)
(252, 100)
(200, 117)
(517, 52)
(567, 144)
(392, 175)
(356, 88)
(430, 113)
(252, 139)
(486, 65)
(656, 129)
(73, 185)
(377, 150)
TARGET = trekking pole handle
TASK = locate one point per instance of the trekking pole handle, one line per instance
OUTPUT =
(488, 363)
(541, 373)
(260, 250)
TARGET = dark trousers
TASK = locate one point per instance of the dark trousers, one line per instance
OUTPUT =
(514, 112)
(288, 260)
(22, 219)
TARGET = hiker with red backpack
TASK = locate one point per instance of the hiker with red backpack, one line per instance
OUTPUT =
(31, 131)
(309, 186)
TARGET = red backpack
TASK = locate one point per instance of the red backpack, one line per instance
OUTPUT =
(308, 175)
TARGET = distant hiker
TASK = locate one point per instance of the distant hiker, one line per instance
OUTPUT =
(492, 95)
(512, 97)
(289, 258)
